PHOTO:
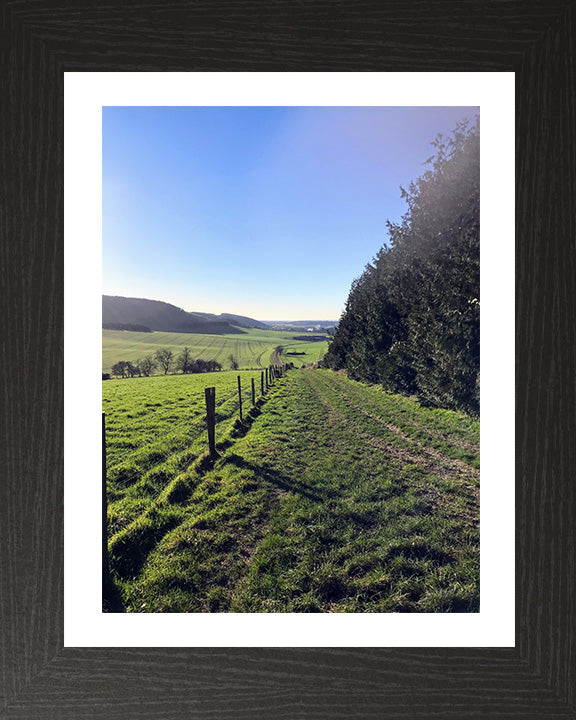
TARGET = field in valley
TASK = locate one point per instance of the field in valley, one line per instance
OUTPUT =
(330, 496)
(252, 349)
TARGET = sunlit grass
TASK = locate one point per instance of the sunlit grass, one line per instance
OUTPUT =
(331, 497)
(253, 348)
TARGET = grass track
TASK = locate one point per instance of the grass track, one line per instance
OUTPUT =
(331, 497)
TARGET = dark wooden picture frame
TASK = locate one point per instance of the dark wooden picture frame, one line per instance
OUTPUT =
(39, 678)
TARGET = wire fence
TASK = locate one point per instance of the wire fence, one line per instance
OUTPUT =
(207, 423)
(190, 427)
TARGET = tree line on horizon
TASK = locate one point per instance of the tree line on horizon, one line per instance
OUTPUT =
(412, 319)
(164, 360)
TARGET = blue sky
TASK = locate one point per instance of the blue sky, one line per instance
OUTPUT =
(269, 212)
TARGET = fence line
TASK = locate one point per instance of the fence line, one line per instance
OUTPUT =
(183, 430)
(105, 564)
(266, 378)
(210, 400)
(210, 394)
(240, 397)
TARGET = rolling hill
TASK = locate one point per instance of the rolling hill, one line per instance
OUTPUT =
(161, 316)
(238, 320)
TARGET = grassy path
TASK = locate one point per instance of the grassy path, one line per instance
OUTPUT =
(331, 497)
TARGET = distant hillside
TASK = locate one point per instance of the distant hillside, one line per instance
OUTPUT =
(158, 315)
(239, 320)
(299, 325)
(310, 338)
(131, 327)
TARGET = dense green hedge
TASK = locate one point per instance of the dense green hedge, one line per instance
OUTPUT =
(412, 320)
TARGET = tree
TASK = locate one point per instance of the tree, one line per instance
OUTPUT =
(118, 369)
(214, 366)
(121, 368)
(132, 370)
(200, 366)
(147, 365)
(184, 361)
(164, 359)
(411, 322)
(234, 365)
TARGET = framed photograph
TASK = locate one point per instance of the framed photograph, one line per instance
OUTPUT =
(382, 526)
(63, 656)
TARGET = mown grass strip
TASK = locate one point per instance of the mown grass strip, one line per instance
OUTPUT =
(453, 434)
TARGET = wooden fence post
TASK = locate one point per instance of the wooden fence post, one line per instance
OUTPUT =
(240, 397)
(253, 393)
(262, 382)
(267, 383)
(105, 565)
(210, 395)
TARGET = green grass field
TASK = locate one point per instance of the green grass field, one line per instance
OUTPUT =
(331, 496)
(155, 428)
(252, 349)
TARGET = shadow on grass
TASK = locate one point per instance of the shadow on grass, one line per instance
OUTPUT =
(241, 427)
(111, 598)
(272, 476)
(129, 549)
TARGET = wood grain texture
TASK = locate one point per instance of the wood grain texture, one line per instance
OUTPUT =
(40, 40)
